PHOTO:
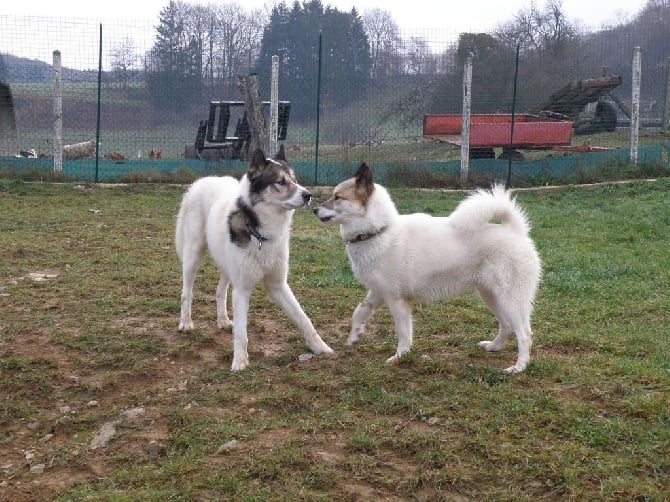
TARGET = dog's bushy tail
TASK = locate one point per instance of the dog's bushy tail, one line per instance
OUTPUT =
(484, 206)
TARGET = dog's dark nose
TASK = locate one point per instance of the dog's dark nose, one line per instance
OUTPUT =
(306, 196)
(316, 211)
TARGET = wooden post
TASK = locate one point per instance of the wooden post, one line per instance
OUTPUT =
(260, 137)
(58, 114)
(666, 109)
(635, 105)
(465, 119)
(9, 143)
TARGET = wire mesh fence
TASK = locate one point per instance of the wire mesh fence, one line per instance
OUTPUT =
(148, 103)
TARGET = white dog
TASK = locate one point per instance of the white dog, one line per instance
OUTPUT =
(417, 257)
(246, 226)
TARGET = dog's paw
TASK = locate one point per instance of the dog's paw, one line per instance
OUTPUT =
(513, 370)
(185, 326)
(355, 335)
(320, 347)
(240, 363)
(224, 324)
(394, 358)
(488, 346)
(398, 354)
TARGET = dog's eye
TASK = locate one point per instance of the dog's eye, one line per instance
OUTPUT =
(336, 197)
(281, 182)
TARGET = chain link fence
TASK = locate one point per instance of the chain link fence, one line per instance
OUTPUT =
(110, 92)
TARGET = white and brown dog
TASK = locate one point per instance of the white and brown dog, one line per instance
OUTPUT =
(417, 257)
(246, 227)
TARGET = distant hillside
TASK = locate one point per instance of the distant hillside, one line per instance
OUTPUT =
(15, 69)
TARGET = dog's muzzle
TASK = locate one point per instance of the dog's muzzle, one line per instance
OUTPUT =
(306, 197)
(323, 218)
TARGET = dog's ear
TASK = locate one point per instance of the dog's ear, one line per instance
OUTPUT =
(363, 177)
(281, 154)
(258, 162)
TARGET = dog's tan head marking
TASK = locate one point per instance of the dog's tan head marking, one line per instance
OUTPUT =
(349, 197)
(357, 189)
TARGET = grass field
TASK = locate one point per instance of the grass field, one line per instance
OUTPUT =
(89, 295)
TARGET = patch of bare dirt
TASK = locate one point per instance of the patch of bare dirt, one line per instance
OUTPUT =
(47, 452)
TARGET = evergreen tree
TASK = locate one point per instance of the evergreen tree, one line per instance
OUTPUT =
(4, 71)
(293, 35)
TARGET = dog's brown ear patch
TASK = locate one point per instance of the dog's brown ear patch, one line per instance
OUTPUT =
(363, 170)
(364, 183)
(258, 162)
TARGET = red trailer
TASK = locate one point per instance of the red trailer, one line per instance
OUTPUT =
(489, 130)
(531, 132)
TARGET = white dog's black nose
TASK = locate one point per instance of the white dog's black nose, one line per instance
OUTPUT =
(306, 196)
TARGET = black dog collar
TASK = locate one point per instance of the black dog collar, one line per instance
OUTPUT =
(254, 231)
(365, 237)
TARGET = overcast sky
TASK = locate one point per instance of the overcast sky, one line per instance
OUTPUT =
(453, 16)
(65, 25)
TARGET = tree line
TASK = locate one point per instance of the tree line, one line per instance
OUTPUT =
(199, 51)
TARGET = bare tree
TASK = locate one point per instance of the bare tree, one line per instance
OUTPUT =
(198, 25)
(124, 56)
(237, 38)
(419, 59)
(533, 29)
(384, 38)
(657, 4)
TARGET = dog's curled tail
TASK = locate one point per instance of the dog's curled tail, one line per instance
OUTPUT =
(484, 206)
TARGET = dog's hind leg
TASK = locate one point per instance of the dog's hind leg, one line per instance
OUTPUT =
(191, 259)
(511, 320)
(402, 318)
(361, 316)
(222, 319)
(282, 294)
(504, 326)
(524, 341)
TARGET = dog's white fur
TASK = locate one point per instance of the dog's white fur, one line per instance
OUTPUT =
(417, 257)
(203, 223)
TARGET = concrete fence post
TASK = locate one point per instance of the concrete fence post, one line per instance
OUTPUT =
(635, 105)
(465, 119)
(58, 113)
(666, 108)
(274, 106)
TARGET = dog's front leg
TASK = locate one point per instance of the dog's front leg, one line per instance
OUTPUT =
(282, 294)
(185, 321)
(362, 315)
(402, 318)
(240, 309)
